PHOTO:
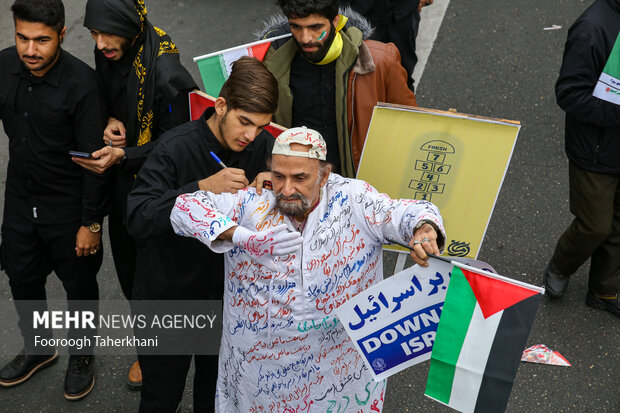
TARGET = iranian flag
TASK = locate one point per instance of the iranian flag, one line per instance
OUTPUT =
(215, 67)
(608, 85)
(484, 325)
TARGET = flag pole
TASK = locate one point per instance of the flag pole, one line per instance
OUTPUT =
(243, 46)
(437, 257)
(540, 290)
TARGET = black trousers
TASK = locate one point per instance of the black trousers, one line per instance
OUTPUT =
(595, 231)
(163, 382)
(402, 33)
(123, 253)
(29, 253)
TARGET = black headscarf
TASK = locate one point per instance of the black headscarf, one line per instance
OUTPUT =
(118, 17)
(128, 19)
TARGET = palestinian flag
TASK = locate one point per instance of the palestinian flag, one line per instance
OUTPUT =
(215, 67)
(484, 325)
(608, 85)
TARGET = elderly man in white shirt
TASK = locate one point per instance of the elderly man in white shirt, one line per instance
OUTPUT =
(293, 255)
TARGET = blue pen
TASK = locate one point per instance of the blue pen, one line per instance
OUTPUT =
(218, 160)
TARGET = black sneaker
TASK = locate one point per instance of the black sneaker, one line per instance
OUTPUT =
(23, 366)
(609, 304)
(80, 377)
(555, 282)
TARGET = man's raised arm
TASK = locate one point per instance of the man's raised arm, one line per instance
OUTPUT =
(197, 216)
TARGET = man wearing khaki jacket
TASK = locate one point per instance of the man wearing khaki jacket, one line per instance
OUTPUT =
(330, 76)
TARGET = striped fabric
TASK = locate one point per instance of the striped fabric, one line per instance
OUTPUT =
(481, 335)
(215, 67)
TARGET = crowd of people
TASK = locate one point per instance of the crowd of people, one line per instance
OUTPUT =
(290, 233)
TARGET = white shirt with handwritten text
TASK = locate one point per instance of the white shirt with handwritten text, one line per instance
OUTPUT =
(283, 349)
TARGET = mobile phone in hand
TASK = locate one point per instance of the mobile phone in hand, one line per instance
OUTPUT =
(78, 154)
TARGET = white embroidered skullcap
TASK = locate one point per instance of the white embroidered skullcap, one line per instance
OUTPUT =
(303, 136)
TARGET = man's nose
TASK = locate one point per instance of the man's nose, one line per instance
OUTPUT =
(288, 189)
(307, 36)
(251, 133)
(31, 49)
(101, 44)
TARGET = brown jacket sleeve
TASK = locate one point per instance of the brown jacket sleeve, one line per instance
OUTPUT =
(378, 76)
(396, 82)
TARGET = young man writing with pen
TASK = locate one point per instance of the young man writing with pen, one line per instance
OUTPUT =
(174, 268)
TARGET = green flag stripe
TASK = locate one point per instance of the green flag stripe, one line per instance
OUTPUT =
(213, 77)
(455, 318)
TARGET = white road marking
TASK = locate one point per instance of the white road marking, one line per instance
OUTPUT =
(431, 18)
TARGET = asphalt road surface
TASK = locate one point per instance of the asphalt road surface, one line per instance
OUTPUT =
(490, 58)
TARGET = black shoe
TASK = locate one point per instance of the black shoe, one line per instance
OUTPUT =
(23, 366)
(609, 304)
(80, 377)
(555, 282)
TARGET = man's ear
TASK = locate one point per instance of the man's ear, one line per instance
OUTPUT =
(61, 34)
(221, 107)
(328, 169)
(336, 20)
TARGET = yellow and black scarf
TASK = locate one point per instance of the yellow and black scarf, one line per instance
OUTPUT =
(128, 19)
(336, 47)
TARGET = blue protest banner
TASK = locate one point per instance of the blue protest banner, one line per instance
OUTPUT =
(393, 323)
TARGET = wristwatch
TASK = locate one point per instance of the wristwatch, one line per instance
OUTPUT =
(124, 158)
(94, 227)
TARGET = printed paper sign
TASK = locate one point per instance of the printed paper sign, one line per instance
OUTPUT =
(393, 323)
(456, 161)
(608, 85)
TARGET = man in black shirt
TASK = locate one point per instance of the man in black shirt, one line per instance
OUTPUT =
(175, 268)
(50, 104)
(146, 89)
(395, 21)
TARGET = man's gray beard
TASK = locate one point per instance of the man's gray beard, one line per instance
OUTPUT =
(293, 209)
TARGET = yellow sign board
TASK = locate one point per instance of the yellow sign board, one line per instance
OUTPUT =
(456, 161)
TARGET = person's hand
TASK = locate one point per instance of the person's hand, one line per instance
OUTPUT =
(263, 246)
(262, 180)
(87, 242)
(424, 3)
(114, 133)
(227, 180)
(104, 159)
(424, 242)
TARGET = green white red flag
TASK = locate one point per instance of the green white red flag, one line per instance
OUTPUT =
(215, 67)
(484, 325)
(200, 101)
(608, 85)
